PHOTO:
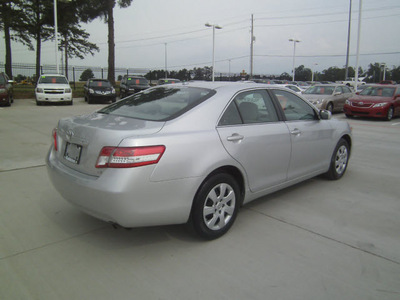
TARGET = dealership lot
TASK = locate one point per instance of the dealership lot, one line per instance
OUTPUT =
(316, 240)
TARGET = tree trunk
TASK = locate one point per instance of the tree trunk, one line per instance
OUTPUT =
(111, 45)
(38, 42)
(7, 37)
(66, 55)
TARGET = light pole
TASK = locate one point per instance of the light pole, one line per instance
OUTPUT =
(214, 26)
(56, 34)
(166, 75)
(384, 71)
(312, 72)
(294, 53)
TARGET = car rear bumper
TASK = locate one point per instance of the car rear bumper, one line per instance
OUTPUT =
(124, 196)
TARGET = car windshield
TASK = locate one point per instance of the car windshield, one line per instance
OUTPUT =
(167, 81)
(159, 104)
(99, 83)
(53, 79)
(320, 90)
(378, 91)
(137, 81)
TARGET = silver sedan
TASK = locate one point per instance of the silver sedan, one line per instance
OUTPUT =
(193, 153)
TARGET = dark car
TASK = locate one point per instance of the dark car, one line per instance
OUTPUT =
(132, 84)
(168, 81)
(6, 90)
(377, 101)
(99, 90)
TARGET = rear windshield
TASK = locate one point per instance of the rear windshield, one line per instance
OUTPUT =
(378, 91)
(160, 103)
(99, 83)
(137, 81)
(53, 79)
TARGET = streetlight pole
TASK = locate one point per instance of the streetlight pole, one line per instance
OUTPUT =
(166, 75)
(56, 34)
(312, 72)
(214, 26)
(294, 54)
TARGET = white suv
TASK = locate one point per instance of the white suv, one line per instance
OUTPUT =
(53, 88)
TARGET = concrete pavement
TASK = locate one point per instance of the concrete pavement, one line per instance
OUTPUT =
(317, 240)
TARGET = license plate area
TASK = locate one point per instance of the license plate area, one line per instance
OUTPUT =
(73, 153)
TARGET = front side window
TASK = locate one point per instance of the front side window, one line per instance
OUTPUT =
(346, 89)
(294, 107)
(250, 107)
(159, 104)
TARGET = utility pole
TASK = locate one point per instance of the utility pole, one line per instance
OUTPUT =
(348, 46)
(358, 45)
(252, 46)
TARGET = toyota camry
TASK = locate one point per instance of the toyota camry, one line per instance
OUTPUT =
(193, 153)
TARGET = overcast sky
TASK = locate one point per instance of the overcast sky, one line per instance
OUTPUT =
(142, 30)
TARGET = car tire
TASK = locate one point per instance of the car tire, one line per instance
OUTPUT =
(71, 102)
(349, 116)
(38, 103)
(389, 115)
(339, 160)
(329, 107)
(215, 206)
(8, 101)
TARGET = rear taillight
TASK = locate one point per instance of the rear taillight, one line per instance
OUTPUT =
(54, 134)
(129, 157)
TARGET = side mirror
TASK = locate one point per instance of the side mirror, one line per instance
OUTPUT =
(325, 114)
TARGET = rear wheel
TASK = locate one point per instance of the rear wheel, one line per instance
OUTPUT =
(339, 160)
(215, 206)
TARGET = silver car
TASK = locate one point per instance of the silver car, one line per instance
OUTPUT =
(328, 96)
(193, 153)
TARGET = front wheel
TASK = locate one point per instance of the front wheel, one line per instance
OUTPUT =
(339, 160)
(389, 114)
(215, 206)
(330, 107)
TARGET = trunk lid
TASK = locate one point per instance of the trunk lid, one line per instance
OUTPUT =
(80, 139)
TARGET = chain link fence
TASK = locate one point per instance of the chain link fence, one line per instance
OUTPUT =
(23, 71)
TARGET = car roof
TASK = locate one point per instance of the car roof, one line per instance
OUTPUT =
(227, 86)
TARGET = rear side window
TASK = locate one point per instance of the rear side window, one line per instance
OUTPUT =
(159, 104)
(249, 107)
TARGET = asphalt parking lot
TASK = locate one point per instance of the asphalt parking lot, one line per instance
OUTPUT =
(317, 240)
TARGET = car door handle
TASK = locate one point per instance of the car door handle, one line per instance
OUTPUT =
(295, 131)
(235, 137)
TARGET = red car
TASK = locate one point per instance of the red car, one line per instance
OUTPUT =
(6, 90)
(377, 101)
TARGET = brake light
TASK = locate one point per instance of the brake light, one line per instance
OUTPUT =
(54, 134)
(129, 157)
